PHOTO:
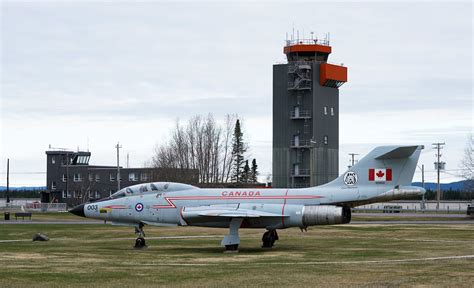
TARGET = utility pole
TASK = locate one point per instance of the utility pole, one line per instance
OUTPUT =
(352, 159)
(118, 146)
(423, 185)
(438, 147)
(8, 181)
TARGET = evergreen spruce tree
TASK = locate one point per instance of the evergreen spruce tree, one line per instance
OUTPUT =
(254, 172)
(238, 150)
(246, 172)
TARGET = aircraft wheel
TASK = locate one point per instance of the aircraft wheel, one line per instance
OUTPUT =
(269, 239)
(140, 243)
(233, 247)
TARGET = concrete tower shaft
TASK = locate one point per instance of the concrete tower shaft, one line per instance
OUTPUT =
(306, 115)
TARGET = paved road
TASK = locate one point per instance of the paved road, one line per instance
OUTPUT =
(454, 222)
(401, 222)
(416, 215)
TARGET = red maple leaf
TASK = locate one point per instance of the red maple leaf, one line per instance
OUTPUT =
(380, 174)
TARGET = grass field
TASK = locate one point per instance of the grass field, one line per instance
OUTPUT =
(357, 255)
(65, 216)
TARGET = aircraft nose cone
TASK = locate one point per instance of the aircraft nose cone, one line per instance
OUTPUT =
(78, 210)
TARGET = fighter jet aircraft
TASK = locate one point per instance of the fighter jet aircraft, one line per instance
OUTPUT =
(384, 174)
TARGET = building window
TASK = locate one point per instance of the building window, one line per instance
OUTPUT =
(53, 185)
(68, 194)
(77, 177)
(325, 110)
(332, 111)
(97, 194)
(145, 176)
(64, 194)
(97, 177)
(112, 176)
(53, 160)
(64, 178)
(325, 139)
(133, 177)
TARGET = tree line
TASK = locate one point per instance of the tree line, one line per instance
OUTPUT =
(217, 151)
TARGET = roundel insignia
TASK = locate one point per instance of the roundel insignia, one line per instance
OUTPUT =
(139, 207)
(350, 178)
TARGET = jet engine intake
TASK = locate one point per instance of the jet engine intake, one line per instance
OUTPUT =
(325, 215)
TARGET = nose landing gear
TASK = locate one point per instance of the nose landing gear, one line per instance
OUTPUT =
(140, 241)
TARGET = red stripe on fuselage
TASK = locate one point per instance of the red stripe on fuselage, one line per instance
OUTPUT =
(283, 209)
(285, 197)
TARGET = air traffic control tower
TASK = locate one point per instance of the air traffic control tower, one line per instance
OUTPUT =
(306, 115)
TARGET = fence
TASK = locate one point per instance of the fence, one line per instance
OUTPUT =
(34, 207)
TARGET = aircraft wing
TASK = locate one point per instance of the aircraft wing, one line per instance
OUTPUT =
(241, 213)
(227, 211)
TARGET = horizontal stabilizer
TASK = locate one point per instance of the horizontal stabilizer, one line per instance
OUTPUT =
(398, 153)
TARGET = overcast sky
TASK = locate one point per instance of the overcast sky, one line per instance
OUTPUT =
(89, 74)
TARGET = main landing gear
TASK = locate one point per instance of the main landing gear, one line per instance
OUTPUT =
(269, 238)
(140, 241)
(232, 240)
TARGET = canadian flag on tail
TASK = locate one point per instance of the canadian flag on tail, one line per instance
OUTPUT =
(380, 175)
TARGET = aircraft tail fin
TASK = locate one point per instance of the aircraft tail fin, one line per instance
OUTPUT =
(385, 166)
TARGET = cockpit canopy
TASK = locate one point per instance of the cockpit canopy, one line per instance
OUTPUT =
(154, 187)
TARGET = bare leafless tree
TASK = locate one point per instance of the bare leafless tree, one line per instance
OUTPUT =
(467, 163)
(201, 144)
(227, 147)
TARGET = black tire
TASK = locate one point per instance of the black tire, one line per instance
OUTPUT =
(140, 242)
(268, 239)
(232, 247)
